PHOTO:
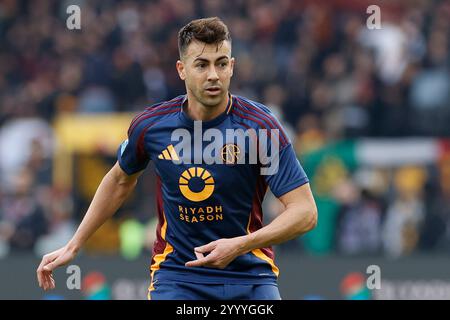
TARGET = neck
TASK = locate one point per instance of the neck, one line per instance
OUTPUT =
(198, 111)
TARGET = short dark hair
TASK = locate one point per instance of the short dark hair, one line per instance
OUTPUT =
(207, 30)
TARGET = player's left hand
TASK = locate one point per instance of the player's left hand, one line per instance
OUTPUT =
(221, 253)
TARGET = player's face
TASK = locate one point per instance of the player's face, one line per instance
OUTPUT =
(207, 70)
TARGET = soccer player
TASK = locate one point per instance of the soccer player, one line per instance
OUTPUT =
(211, 242)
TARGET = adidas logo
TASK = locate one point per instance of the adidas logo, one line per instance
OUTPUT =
(169, 153)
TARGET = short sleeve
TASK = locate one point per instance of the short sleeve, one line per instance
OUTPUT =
(290, 174)
(132, 155)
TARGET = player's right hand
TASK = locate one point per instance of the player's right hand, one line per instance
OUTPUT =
(50, 262)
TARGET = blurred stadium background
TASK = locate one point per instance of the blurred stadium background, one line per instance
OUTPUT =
(367, 110)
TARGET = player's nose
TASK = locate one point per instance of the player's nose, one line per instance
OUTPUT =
(212, 74)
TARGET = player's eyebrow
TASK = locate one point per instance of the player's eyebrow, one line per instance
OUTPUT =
(206, 60)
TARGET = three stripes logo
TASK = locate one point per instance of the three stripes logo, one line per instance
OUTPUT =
(202, 178)
(169, 153)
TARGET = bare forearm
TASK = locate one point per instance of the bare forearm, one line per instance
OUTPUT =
(293, 222)
(109, 196)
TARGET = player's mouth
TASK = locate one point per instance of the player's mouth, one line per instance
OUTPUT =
(213, 90)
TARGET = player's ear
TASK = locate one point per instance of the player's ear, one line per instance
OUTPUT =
(181, 70)
(232, 66)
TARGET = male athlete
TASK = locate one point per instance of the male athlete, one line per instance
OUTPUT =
(211, 243)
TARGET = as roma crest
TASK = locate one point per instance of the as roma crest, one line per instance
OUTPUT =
(230, 153)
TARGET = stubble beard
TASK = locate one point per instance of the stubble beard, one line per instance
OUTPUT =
(208, 101)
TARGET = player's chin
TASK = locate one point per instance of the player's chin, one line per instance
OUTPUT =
(212, 99)
(213, 95)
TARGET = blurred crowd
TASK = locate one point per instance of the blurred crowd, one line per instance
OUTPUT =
(314, 63)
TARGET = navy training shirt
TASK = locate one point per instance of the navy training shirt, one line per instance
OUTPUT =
(199, 201)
